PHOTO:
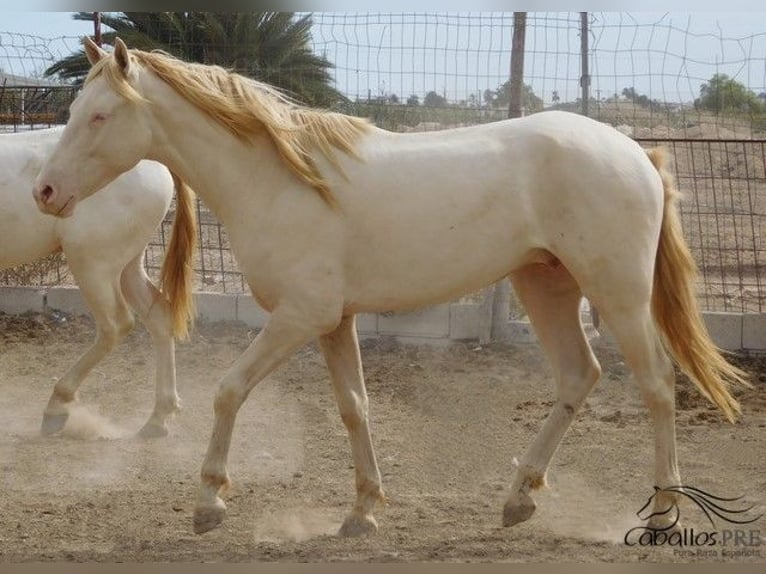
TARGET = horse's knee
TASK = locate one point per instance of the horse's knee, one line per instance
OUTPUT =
(658, 387)
(228, 399)
(353, 411)
(111, 333)
(158, 318)
(574, 387)
(107, 340)
(126, 325)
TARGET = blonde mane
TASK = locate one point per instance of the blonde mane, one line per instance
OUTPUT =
(246, 108)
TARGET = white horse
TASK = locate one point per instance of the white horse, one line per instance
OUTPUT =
(104, 245)
(329, 217)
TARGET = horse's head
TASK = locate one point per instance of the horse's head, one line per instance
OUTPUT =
(108, 133)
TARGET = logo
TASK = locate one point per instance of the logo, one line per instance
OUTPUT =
(728, 519)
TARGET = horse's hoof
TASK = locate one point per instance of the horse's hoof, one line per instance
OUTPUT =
(153, 430)
(357, 525)
(515, 512)
(53, 423)
(206, 519)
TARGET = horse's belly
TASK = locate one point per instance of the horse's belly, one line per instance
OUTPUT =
(433, 268)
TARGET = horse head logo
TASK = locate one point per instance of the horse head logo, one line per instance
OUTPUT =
(708, 503)
(644, 513)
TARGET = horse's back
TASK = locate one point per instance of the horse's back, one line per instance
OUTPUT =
(582, 165)
(450, 211)
(25, 232)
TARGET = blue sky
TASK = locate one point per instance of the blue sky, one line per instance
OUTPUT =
(49, 24)
(665, 55)
(54, 24)
(61, 23)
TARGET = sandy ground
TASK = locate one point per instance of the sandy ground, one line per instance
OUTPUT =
(447, 424)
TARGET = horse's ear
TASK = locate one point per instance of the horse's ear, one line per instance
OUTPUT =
(93, 51)
(121, 55)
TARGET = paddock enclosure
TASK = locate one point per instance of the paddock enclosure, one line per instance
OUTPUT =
(446, 423)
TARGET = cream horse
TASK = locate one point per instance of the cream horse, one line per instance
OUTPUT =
(329, 217)
(104, 245)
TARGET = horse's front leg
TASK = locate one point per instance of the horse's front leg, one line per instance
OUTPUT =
(113, 321)
(281, 336)
(341, 351)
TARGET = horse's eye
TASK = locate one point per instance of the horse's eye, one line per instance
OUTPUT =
(98, 117)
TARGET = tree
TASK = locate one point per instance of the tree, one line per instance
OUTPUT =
(489, 97)
(635, 97)
(501, 98)
(724, 94)
(413, 100)
(555, 98)
(434, 100)
(272, 47)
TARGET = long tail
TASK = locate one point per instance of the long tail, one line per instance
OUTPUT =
(675, 309)
(177, 274)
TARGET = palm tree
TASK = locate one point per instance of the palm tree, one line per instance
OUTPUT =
(273, 47)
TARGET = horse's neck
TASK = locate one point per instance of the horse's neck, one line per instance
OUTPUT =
(227, 173)
(21, 157)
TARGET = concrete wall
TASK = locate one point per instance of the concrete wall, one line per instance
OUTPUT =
(437, 325)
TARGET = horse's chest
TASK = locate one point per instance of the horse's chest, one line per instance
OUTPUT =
(266, 266)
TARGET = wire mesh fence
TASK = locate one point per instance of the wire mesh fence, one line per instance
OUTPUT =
(658, 79)
(723, 210)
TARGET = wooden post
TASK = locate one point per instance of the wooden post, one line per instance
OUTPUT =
(516, 104)
(584, 76)
(500, 292)
(97, 28)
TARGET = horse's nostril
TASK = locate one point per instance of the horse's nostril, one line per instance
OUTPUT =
(46, 194)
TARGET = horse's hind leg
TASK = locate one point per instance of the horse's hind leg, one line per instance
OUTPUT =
(635, 331)
(99, 287)
(551, 298)
(154, 312)
(341, 351)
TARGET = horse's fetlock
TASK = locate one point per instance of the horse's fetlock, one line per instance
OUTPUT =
(218, 481)
(61, 398)
(533, 479)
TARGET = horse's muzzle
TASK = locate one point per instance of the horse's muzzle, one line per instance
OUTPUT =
(51, 202)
